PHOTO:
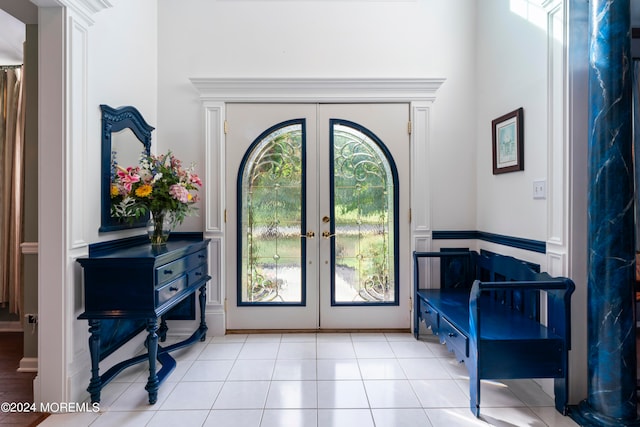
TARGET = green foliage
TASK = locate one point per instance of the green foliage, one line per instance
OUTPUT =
(272, 209)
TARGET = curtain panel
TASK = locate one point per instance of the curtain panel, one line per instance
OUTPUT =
(12, 125)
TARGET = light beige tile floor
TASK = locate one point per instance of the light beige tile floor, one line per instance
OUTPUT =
(316, 380)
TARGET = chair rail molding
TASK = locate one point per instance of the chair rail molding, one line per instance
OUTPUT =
(29, 248)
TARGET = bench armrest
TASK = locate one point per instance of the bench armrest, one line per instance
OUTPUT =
(559, 291)
(560, 283)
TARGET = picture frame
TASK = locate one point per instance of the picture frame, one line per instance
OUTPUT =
(507, 134)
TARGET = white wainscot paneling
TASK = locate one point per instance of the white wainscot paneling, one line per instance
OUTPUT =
(76, 150)
(420, 159)
(214, 118)
(215, 310)
(558, 168)
(556, 263)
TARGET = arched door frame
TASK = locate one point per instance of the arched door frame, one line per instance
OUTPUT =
(215, 93)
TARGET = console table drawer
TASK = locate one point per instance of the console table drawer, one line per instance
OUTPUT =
(455, 339)
(430, 316)
(168, 272)
(168, 291)
(197, 274)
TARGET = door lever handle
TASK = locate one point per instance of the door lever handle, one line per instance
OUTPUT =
(327, 234)
(310, 235)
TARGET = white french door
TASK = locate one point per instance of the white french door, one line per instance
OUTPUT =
(317, 231)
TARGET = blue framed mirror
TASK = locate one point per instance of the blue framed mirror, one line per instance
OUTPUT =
(125, 135)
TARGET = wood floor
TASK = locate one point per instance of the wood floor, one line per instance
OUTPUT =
(15, 386)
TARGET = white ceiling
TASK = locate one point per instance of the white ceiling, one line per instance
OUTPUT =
(12, 36)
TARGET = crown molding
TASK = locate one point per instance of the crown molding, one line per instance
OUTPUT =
(222, 89)
(83, 8)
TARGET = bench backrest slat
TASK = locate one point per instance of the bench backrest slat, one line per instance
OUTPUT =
(494, 267)
(457, 268)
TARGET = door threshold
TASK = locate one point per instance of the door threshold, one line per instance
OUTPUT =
(318, 331)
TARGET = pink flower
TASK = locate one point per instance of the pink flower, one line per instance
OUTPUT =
(128, 177)
(195, 179)
(179, 193)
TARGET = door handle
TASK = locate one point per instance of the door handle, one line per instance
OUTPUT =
(327, 234)
(310, 235)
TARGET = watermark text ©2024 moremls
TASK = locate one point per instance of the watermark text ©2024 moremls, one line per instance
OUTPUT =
(49, 407)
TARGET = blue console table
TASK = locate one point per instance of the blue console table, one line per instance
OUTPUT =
(130, 284)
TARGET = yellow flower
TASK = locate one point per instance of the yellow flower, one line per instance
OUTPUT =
(114, 191)
(189, 197)
(144, 190)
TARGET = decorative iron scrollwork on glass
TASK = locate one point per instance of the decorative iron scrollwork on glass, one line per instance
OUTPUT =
(272, 218)
(363, 218)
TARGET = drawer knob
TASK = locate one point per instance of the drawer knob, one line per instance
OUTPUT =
(452, 335)
(201, 256)
(168, 272)
(173, 288)
(198, 273)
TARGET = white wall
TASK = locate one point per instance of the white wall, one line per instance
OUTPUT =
(122, 71)
(512, 73)
(422, 38)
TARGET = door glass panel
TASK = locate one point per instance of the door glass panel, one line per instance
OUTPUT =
(364, 228)
(271, 214)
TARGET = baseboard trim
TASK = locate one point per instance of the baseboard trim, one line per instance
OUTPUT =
(215, 321)
(28, 364)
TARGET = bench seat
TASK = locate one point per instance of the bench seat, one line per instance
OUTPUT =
(499, 323)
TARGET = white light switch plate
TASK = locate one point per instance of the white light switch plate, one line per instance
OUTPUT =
(540, 189)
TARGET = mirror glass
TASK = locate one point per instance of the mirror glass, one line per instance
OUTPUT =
(125, 135)
(125, 148)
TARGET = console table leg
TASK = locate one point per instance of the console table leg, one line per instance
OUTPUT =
(95, 384)
(162, 330)
(203, 323)
(152, 342)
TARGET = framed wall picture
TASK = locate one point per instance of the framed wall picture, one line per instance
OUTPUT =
(508, 142)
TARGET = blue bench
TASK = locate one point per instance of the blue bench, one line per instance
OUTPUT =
(487, 311)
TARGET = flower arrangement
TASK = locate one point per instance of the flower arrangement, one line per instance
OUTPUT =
(159, 185)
